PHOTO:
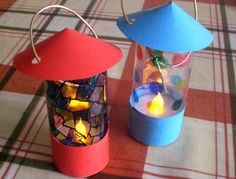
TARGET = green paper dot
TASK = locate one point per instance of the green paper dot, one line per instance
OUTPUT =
(176, 105)
(162, 62)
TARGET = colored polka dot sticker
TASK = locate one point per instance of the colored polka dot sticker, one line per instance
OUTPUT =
(175, 79)
(135, 96)
(181, 84)
(139, 52)
(177, 104)
(156, 87)
(177, 58)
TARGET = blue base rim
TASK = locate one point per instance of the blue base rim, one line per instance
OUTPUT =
(155, 131)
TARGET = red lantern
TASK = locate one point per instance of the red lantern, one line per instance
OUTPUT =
(74, 66)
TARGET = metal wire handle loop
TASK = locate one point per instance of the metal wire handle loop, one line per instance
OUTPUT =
(48, 7)
(169, 65)
(123, 12)
(129, 22)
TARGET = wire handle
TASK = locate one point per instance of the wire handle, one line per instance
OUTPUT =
(129, 21)
(48, 7)
(123, 12)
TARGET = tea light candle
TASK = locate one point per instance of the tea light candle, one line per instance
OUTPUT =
(156, 105)
(150, 100)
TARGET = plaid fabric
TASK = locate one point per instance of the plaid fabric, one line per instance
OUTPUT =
(207, 145)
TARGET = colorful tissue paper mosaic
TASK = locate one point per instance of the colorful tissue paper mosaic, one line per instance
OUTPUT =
(77, 110)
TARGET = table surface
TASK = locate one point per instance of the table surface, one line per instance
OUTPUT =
(207, 144)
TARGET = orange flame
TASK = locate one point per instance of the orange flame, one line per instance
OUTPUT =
(80, 127)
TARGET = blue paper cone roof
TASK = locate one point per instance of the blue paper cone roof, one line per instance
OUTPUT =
(167, 28)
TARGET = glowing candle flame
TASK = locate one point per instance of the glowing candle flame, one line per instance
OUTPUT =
(82, 135)
(80, 127)
(156, 106)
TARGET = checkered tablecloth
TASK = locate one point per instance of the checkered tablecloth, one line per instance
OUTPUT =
(207, 145)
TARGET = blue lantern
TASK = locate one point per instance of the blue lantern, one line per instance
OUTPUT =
(165, 37)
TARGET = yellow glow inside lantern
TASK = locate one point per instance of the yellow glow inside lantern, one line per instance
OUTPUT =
(156, 106)
(80, 127)
(77, 105)
(83, 132)
(104, 92)
(69, 90)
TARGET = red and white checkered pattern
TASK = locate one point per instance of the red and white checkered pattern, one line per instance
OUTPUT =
(207, 145)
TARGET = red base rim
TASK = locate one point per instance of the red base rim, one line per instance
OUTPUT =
(81, 161)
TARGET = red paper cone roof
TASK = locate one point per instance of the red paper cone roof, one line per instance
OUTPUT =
(68, 55)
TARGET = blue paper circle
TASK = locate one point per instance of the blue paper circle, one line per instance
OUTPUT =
(175, 79)
(156, 87)
(135, 96)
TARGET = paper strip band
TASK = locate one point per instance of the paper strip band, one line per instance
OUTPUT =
(155, 131)
(81, 161)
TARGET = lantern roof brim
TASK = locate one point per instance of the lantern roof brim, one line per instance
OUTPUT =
(167, 28)
(68, 55)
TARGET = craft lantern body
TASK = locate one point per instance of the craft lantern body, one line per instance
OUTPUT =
(77, 110)
(73, 67)
(156, 111)
(165, 38)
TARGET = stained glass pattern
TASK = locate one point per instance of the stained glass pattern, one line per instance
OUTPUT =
(77, 110)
